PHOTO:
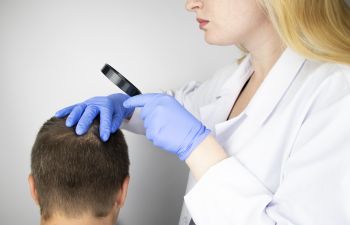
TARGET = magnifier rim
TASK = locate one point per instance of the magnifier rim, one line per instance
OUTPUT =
(134, 90)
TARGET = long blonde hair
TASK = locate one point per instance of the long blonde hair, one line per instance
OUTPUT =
(316, 29)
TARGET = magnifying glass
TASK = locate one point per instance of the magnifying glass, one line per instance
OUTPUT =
(120, 81)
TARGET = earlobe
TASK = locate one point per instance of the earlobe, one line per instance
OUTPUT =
(122, 193)
(32, 189)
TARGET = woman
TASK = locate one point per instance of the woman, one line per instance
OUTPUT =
(267, 143)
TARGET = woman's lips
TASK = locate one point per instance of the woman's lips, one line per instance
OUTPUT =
(202, 22)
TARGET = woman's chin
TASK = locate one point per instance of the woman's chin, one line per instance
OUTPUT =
(217, 40)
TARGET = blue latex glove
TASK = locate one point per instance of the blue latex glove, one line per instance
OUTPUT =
(110, 108)
(168, 124)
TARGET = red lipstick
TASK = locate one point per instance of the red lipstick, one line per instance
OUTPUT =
(202, 22)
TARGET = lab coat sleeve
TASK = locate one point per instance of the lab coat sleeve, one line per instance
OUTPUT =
(229, 194)
(315, 180)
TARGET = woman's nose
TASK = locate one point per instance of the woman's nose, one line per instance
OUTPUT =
(192, 5)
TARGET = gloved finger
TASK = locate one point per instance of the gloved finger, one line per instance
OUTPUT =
(116, 121)
(86, 119)
(65, 111)
(140, 100)
(105, 123)
(148, 109)
(75, 115)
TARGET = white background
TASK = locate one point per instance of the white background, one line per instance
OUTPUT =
(51, 53)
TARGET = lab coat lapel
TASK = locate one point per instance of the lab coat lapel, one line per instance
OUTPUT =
(274, 87)
(218, 110)
(213, 112)
(265, 100)
(263, 103)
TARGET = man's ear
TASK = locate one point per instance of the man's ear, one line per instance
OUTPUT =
(122, 192)
(32, 189)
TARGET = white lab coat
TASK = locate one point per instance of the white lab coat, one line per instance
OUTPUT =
(290, 147)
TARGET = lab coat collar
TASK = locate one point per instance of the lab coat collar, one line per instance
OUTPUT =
(265, 99)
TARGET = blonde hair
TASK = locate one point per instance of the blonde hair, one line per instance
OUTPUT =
(316, 29)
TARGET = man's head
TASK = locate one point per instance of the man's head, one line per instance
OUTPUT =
(74, 176)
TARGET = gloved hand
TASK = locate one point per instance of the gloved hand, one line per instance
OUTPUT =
(168, 124)
(111, 110)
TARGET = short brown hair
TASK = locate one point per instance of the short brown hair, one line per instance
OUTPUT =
(76, 174)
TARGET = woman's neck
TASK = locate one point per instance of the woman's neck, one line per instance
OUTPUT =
(265, 47)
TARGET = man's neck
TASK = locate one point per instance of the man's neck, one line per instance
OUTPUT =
(85, 219)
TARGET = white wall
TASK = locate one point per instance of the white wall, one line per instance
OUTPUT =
(51, 53)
